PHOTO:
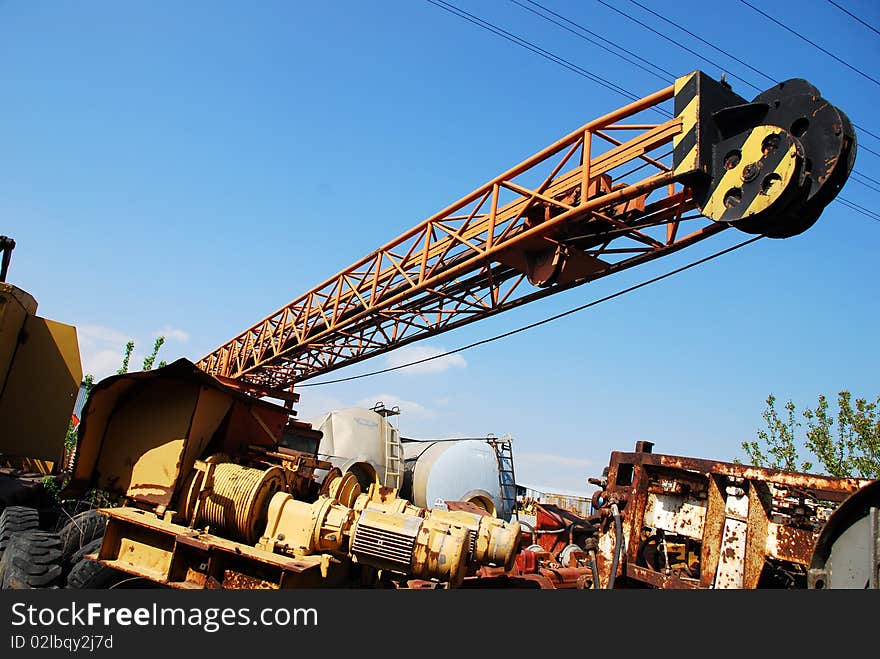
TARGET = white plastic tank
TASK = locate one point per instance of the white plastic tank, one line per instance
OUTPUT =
(453, 470)
(361, 441)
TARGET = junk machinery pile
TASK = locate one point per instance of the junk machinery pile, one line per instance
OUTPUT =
(214, 496)
(214, 499)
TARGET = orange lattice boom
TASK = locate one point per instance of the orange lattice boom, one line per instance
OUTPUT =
(613, 194)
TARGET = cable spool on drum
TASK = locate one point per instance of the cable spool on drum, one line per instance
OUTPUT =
(239, 500)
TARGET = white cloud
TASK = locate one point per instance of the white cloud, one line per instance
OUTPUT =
(552, 460)
(101, 363)
(414, 353)
(558, 474)
(313, 405)
(100, 334)
(173, 334)
(102, 348)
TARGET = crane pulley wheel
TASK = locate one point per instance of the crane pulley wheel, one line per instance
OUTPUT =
(762, 170)
(776, 186)
(828, 138)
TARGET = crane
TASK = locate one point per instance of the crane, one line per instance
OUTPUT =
(215, 496)
(579, 209)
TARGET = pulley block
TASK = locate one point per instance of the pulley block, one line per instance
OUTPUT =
(769, 166)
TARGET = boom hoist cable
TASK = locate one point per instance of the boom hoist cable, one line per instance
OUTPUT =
(570, 214)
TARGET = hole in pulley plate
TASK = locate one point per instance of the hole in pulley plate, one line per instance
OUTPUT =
(733, 197)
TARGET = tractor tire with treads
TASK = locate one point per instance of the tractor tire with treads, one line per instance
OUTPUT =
(87, 574)
(16, 519)
(32, 560)
(82, 529)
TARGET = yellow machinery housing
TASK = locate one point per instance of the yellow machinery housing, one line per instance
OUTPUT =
(212, 497)
(40, 375)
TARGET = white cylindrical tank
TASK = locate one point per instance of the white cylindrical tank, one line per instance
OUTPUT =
(357, 440)
(454, 470)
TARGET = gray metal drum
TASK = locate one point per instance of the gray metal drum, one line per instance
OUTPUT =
(462, 470)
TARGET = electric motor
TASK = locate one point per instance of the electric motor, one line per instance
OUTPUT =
(411, 545)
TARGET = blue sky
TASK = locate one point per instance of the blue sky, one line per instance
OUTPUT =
(187, 168)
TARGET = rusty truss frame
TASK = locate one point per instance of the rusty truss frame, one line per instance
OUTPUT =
(573, 212)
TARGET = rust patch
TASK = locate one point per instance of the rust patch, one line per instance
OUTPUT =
(233, 580)
(193, 576)
(795, 544)
(387, 494)
(466, 506)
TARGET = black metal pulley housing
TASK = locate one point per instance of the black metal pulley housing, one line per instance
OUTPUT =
(769, 166)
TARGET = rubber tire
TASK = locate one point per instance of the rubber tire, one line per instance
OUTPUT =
(82, 529)
(68, 509)
(94, 575)
(16, 519)
(32, 560)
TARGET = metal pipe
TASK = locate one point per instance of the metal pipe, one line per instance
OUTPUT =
(531, 531)
(618, 545)
(6, 246)
(594, 568)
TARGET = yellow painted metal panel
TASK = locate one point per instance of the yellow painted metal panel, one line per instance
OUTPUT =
(752, 152)
(143, 444)
(686, 144)
(13, 312)
(40, 391)
(213, 405)
(95, 416)
(148, 558)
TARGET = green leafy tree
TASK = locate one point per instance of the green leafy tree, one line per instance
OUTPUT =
(148, 361)
(845, 446)
(126, 356)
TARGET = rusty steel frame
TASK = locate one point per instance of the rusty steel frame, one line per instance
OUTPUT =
(455, 267)
(633, 477)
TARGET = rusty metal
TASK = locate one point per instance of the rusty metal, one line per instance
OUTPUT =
(823, 487)
(692, 522)
(196, 457)
(554, 561)
(576, 504)
(847, 553)
(659, 579)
